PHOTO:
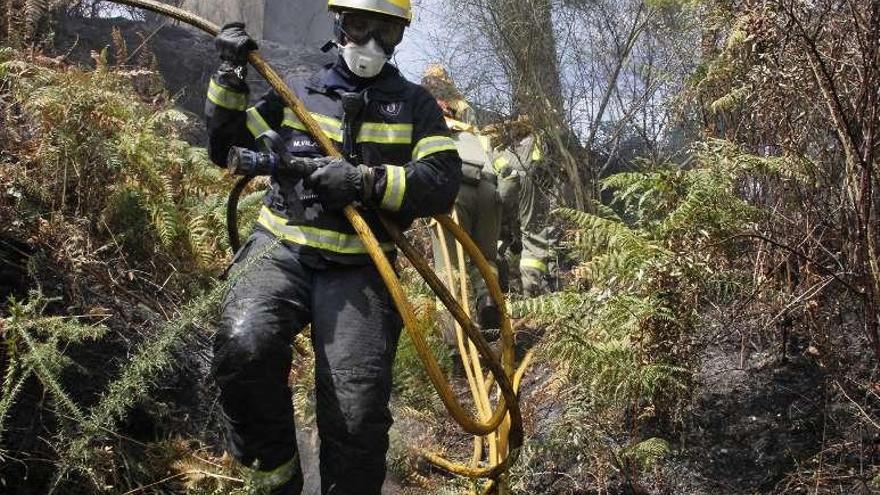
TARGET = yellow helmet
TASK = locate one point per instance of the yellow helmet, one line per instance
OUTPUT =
(437, 71)
(436, 80)
(402, 9)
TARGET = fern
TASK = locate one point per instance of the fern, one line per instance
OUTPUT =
(35, 11)
(95, 140)
(120, 47)
(621, 336)
(94, 151)
(646, 453)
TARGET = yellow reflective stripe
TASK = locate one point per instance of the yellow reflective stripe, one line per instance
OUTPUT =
(328, 240)
(537, 150)
(291, 120)
(395, 187)
(331, 127)
(269, 480)
(255, 122)
(372, 132)
(431, 145)
(486, 142)
(226, 98)
(533, 263)
(500, 163)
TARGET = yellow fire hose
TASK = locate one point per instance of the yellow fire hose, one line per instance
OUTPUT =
(480, 386)
(507, 410)
(468, 355)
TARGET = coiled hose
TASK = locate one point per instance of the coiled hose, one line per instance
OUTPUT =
(502, 371)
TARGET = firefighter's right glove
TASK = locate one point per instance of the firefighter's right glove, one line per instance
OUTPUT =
(340, 183)
(234, 44)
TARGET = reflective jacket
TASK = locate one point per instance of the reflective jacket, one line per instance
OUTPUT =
(403, 137)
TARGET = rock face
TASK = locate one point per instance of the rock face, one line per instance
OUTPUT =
(185, 56)
(288, 22)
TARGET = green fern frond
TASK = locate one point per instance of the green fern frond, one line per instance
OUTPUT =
(647, 453)
(551, 306)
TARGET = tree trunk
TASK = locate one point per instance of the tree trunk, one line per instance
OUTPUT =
(525, 41)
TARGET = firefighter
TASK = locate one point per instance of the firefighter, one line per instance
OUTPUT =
(478, 205)
(306, 265)
(525, 226)
(450, 99)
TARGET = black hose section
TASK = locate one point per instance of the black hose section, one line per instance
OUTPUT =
(232, 212)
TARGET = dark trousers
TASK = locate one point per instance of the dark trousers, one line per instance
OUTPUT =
(355, 330)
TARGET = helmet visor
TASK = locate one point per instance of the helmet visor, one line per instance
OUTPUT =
(359, 28)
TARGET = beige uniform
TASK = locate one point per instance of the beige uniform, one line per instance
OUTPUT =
(478, 208)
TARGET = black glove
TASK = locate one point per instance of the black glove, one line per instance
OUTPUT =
(339, 183)
(234, 44)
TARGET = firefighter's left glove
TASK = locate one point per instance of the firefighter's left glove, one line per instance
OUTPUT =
(339, 183)
(234, 44)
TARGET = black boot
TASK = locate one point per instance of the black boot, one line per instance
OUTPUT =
(292, 487)
(489, 317)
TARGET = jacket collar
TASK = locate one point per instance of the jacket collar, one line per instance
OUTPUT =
(335, 78)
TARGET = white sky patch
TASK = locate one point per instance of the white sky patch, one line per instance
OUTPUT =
(415, 52)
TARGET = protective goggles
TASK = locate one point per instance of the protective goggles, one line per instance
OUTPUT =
(359, 28)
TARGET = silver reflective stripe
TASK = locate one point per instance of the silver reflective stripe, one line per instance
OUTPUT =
(395, 187)
(431, 145)
(226, 98)
(328, 240)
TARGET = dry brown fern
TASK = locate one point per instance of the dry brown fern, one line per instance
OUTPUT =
(34, 13)
(120, 47)
(22, 21)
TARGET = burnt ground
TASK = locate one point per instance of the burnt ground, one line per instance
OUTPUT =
(759, 422)
(751, 423)
(767, 423)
